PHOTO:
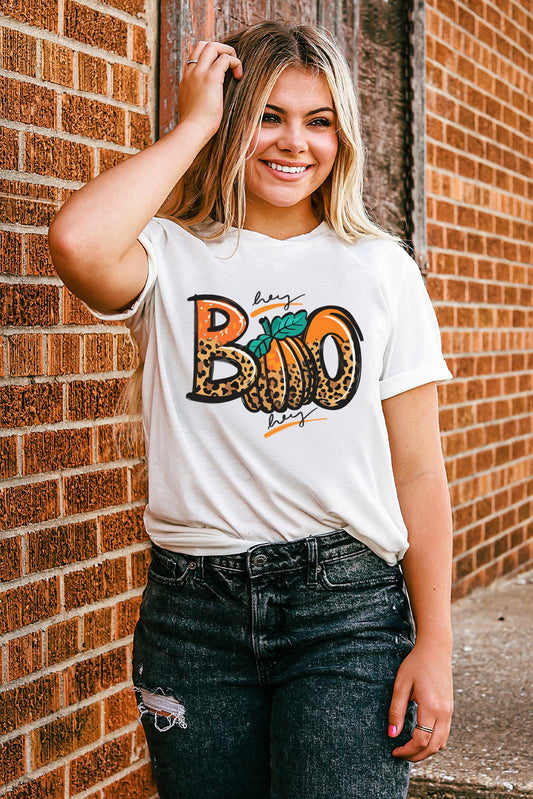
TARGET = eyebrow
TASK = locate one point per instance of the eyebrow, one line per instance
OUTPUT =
(309, 113)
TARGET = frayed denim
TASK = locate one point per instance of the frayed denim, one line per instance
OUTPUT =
(268, 674)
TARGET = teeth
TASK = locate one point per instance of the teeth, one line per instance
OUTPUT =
(281, 168)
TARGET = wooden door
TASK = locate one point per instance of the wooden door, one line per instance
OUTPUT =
(378, 41)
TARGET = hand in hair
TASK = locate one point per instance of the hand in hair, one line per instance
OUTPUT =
(93, 239)
(201, 89)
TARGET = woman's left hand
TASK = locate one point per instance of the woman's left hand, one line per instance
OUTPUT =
(425, 676)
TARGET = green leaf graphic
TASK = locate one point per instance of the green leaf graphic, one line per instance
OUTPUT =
(261, 345)
(292, 324)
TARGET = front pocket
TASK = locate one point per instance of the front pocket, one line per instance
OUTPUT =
(361, 568)
(170, 569)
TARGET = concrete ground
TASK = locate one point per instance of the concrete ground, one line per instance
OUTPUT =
(490, 749)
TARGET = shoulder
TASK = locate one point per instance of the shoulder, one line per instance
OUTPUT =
(384, 260)
(164, 238)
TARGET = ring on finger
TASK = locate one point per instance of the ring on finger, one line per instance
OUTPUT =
(424, 728)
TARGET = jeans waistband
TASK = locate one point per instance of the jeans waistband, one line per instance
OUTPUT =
(265, 558)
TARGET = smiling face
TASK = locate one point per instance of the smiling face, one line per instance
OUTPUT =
(291, 155)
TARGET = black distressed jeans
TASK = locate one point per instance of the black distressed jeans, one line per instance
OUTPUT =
(268, 674)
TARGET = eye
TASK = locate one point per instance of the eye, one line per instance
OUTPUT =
(268, 116)
(321, 122)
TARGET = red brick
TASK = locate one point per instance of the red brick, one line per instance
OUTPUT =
(30, 603)
(115, 442)
(27, 103)
(122, 529)
(57, 63)
(127, 614)
(100, 764)
(141, 52)
(10, 252)
(126, 84)
(64, 354)
(92, 27)
(25, 355)
(50, 785)
(62, 641)
(127, 353)
(50, 548)
(140, 130)
(28, 305)
(28, 702)
(12, 760)
(98, 352)
(137, 784)
(10, 558)
(92, 74)
(47, 155)
(97, 629)
(53, 450)
(95, 583)
(120, 709)
(9, 148)
(8, 457)
(43, 14)
(24, 655)
(139, 482)
(87, 117)
(89, 399)
(140, 562)
(38, 260)
(19, 52)
(88, 677)
(27, 203)
(27, 504)
(130, 6)
(95, 490)
(65, 735)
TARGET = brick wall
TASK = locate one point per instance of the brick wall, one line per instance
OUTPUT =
(480, 197)
(76, 96)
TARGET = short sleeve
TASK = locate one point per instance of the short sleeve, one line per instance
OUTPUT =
(150, 238)
(413, 356)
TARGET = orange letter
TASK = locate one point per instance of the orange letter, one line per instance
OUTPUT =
(335, 391)
(215, 341)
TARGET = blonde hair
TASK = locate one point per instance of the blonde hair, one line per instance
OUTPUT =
(213, 188)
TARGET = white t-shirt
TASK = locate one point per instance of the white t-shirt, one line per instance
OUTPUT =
(266, 362)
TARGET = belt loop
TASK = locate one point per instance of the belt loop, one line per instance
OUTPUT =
(312, 562)
(200, 567)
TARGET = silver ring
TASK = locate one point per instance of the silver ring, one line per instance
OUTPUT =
(192, 62)
(424, 729)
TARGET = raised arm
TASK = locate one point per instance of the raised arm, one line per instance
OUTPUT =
(93, 238)
(425, 675)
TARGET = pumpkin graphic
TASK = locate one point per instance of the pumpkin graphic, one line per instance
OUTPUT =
(287, 375)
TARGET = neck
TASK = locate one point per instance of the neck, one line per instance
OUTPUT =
(280, 223)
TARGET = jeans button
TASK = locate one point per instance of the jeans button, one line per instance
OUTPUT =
(260, 560)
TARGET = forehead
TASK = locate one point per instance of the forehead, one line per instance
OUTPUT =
(301, 89)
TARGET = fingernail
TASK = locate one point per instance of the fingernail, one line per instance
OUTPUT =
(392, 730)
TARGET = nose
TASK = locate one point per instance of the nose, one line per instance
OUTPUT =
(292, 139)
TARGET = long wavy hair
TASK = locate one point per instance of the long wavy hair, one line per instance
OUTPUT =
(213, 187)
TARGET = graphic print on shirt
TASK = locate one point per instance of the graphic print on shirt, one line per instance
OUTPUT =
(284, 367)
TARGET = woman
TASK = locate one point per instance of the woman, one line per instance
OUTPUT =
(290, 360)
